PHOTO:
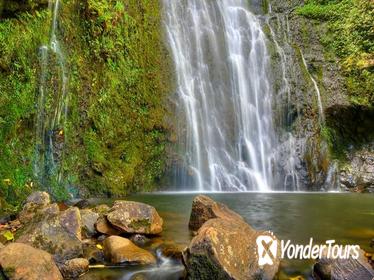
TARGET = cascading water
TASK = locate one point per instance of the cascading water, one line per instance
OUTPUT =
(316, 88)
(51, 107)
(222, 70)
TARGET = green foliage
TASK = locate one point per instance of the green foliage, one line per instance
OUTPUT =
(19, 41)
(351, 38)
(116, 133)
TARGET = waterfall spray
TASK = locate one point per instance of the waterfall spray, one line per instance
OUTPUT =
(224, 93)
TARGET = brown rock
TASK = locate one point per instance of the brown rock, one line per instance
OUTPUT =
(121, 250)
(226, 249)
(102, 225)
(225, 246)
(343, 269)
(172, 250)
(135, 217)
(21, 261)
(74, 268)
(204, 209)
(1, 246)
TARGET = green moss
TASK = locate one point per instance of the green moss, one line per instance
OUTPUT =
(116, 133)
(350, 37)
(140, 224)
(19, 41)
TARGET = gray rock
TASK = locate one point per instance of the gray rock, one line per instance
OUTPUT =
(60, 235)
(139, 239)
(89, 219)
(37, 205)
(344, 269)
(358, 174)
(39, 198)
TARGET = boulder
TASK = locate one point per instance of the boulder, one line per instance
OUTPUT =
(343, 269)
(60, 235)
(204, 209)
(102, 225)
(74, 268)
(135, 217)
(20, 261)
(225, 246)
(227, 249)
(89, 219)
(37, 205)
(121, 250)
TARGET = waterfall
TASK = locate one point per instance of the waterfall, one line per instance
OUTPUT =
(51, 107)
(316, 88)
(224, 94)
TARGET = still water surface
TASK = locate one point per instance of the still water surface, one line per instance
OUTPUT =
(346, 218)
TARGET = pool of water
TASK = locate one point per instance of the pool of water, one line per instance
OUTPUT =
(344, 217)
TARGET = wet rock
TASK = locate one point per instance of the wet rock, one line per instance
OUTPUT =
(204, 209)
(139, 239)
(226, 249)
(89, 219)
(172, 250)
(135, 217)
(74, 268)
(225, 246)
(121, 250)
(20, 261)
(103, 226)
(60, 235)
(343, 269)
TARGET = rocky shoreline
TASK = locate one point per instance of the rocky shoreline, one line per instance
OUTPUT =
(52, 241)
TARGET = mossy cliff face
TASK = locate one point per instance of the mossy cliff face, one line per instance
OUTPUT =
(336, 40)
(118, 72)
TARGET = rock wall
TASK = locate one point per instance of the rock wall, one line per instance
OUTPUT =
(324, 143)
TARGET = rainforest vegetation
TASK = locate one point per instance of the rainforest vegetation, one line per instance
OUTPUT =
(118, 125)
